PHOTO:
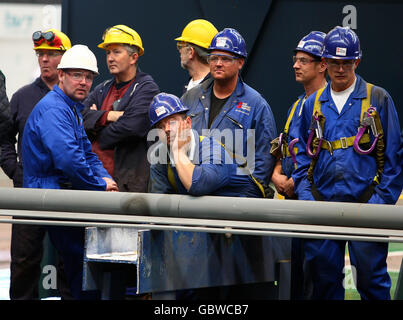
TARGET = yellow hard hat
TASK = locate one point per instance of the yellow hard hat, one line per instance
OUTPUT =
(199, 32)
(121, 34)
(51, 39)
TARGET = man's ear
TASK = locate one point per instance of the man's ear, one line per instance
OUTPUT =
(241, 63)
(60, 74)
(188, 122)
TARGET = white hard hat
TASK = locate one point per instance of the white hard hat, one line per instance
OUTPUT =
(79, 57)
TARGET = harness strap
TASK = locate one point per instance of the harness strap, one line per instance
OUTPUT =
(343, 142)
(290, 116)
(346, 142)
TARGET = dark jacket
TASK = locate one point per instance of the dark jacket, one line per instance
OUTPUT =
(128, 135)
(21, 105)
(4, 108)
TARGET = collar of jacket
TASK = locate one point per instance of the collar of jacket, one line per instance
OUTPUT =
(41, 84)
(140, 77)
(71, 103)
(239, 89)
(360, 90)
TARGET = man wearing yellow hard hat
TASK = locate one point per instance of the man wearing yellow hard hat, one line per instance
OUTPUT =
(27, 240)
(116, 113)
(192, 46)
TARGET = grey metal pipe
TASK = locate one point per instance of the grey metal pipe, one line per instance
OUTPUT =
(207, 207)
(87, 219)
(274, 233)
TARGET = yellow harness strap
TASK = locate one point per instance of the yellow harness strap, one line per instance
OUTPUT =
(366, 102)
(287, 124)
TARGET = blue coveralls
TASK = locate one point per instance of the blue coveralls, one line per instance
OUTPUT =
(56, 153)
(299, 276)
(245, 109)
(343, 177)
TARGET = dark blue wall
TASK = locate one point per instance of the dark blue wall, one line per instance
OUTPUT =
(271, 29)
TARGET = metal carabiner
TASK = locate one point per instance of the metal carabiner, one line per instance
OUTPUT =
(281, 143)
(315, 129)
(367, 120)
(291, 150)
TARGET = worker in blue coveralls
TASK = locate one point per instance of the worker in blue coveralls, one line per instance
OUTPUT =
(183, 162)
(188, 163)
(349, 141)
(234, 113)
(310, 71)
(57, 153)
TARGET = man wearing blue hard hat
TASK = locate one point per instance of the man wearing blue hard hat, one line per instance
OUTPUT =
(225, 103)
(349, 141)
(310, 71)
(188, 163)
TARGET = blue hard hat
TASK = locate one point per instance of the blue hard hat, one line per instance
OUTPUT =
(229, 40)
(164, 105)
(312, 43)
(341, 43)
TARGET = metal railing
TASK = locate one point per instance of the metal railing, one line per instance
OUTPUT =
(284, 218)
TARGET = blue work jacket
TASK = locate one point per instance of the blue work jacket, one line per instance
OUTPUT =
(215, 172)
(56, 149)
(346, 174)
(245, 109)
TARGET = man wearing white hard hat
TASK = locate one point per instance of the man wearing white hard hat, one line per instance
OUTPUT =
(57, 153)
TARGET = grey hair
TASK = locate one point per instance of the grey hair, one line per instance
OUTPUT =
(131, 49)
(202, 53)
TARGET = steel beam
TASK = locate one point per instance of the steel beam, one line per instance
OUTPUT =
(206, 207)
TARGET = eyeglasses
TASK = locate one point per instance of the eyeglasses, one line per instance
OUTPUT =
(180, 45)
(336, 64)
(51, 38)
(49, 53)
(115, 28)
(79, 76)
(225, 59)
(302, 60)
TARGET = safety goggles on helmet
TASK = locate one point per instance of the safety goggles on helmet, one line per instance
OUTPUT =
(51, 38)
(115, 28)
(121, 34)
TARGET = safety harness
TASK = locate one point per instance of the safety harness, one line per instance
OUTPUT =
(264, 191)
(370, 121)
(280, 147)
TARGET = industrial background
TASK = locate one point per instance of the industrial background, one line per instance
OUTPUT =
(271, 30)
